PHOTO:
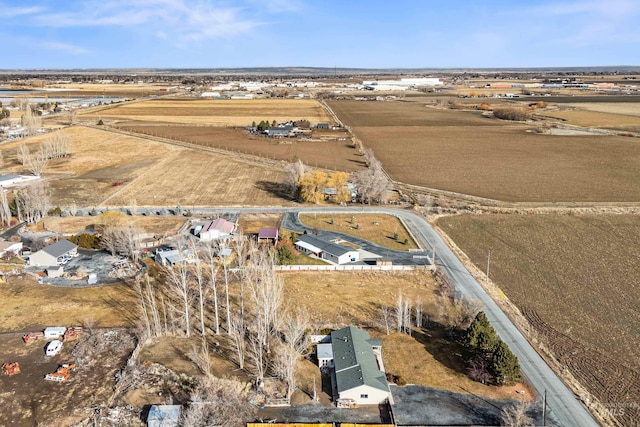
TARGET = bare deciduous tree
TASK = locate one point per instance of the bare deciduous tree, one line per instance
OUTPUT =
(32, 202)
(238, 333)
(210, 256)
(219, 402)
(295, 344)
(372, 183)
(31, 121)
(294, 172)
(5, 211)
(201, 357)
(36, 162)
(179, 279)
(199, 276)
(57, 145)
(386, 318)
(122, 240)
(399, 313)
(516, 416)
(23, 154)
(418, 312)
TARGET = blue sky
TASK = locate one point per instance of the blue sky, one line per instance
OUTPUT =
(318, 33)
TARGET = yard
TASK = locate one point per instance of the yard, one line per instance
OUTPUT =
(378, 229)
(75, 225)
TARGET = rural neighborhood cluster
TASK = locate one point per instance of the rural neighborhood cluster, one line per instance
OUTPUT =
(320, 248)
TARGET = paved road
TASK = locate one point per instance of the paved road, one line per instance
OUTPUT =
(563, 407)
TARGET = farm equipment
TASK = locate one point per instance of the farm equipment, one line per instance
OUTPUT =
(11, 368)
(72, 332)
(62, 374)
(32, 336)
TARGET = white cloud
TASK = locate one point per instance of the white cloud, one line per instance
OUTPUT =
(178, 20)
(12, 12)
(69, 48)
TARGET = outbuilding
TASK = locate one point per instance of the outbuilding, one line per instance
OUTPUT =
(329, 251)
(55, 254)
(54, 332)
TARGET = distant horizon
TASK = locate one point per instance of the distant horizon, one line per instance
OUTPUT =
(372, 34)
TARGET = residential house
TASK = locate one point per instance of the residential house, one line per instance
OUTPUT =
(55, 254)
(216, 229)
(359, 371)
(329, 251)
(280, 131)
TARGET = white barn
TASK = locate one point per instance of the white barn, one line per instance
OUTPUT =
(216, 229)
(55, 254)
(332, 252)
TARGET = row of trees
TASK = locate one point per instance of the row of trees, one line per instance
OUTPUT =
(56, 146)
(493, 360)
(266, 338)
(372, 183)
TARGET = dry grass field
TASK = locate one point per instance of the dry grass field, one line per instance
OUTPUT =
(378, 229)
(621, 108)
(330, 154)
(403, 113)
(576, 280)
(354, 298)
(217, 112)
(106, 165)
(192, 178)
(102, 306)
(596, 119)
(251, 223)
(148, 224)
(464, 152)
(99, 160)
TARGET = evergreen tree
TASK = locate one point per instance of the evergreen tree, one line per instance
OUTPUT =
(506, 367)
(480, 335)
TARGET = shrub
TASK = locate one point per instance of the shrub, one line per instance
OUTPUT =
(86, 240)
(100, 122)
(509, 113)
(55, 211)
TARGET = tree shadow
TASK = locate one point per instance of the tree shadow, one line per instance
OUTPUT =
(446, 347)
(278, 189)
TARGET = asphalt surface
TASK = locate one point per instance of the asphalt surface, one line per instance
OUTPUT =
(564, 409)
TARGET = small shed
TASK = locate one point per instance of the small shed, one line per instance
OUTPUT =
(55, 271)
(54, 332)
(164, 416)
(270, 233)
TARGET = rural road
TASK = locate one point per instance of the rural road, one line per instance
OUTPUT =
(564, 409)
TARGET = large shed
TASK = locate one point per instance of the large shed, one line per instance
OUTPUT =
(329, 251)
(55, 254)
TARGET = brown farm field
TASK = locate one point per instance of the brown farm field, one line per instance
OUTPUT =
(216, 112)
(621, 108)
(330, 154)
(575, 278)
(148, 224)
(466, 153)
(119, 168)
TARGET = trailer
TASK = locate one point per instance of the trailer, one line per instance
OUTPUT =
(54, 332)
(72, 332)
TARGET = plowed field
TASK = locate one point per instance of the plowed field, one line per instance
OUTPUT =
(467, 153)
(217, 112)
(576, 280)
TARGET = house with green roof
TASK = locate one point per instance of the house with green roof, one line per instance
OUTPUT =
(359, 371)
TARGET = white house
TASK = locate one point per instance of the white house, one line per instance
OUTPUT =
(359, 371)
(216, 229)
(332, 252)
(55, 254)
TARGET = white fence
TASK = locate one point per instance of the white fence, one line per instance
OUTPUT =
(350, 267)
